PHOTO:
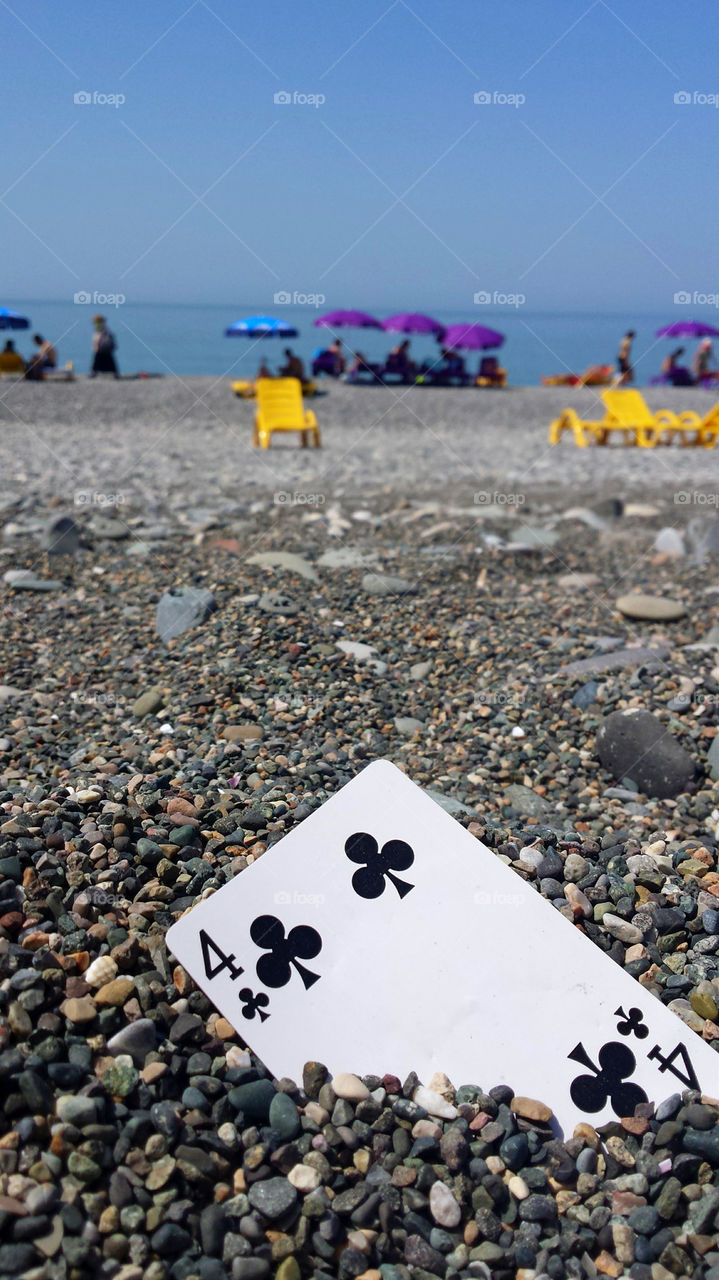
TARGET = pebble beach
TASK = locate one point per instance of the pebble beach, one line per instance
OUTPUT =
(201, 643)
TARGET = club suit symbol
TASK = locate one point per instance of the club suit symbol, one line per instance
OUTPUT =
(284, 953)
(378, 864)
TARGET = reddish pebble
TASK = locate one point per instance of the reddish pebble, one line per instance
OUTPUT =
(391, 1084)
(479, 1121)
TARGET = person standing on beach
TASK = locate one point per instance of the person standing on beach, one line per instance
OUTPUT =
(625, 369)
(103, 346)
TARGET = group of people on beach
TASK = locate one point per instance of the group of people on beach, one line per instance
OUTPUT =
(44, 359)
(448, 369)
(703, 366)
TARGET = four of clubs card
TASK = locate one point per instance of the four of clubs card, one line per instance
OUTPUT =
(382, 936)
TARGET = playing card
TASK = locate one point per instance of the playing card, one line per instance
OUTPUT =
(381, 936)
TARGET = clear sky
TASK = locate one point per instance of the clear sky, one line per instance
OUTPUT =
(599, 190)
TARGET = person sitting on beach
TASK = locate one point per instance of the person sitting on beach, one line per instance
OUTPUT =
(703, 362)
(264, 370)
(103, 346)
(398, 361)
(10, 360)
(338, 360)
(293, 368)
(44, 358)
(625, 369)
(675, 373)
(360, 365)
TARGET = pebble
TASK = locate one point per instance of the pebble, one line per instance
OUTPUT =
(385, 584)
(443, 1206)
(434, 1103)
(349, 1087)
(181, 609)
(650, 608)
(634, 743)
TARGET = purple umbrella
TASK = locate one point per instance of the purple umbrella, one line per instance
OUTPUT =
(472, 337)
(413, 322)
(348, 319)
(687, 329)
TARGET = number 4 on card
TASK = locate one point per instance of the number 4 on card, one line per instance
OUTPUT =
(213, 967)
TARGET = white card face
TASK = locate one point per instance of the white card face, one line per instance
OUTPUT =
(381, 936)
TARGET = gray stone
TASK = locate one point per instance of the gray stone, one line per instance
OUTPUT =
(275, 602)
(525, 801)
(273, 1197)
(650, 608)
(713, 759)
(26, 580)
(137, 1039)
(586, 695)
(61, 537)
(450, 804)
(407, 725)
(182, 608)
(384, 584)
(670, 542)
(635, 744)
(77, 1109)
(630, 657)
(346, 558)
(285, 560)
(148, 702)
(284, 1116)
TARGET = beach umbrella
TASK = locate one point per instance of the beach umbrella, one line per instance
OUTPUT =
(413, 322)
(347, 320)
(12, 319)
(471, 337)
(261, 327)
(687, 329)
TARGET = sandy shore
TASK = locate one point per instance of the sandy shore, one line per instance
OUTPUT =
(189, 441)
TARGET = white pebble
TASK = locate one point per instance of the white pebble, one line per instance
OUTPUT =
(440, 1083)
(237, 1057)
(443, 1206)
(350, 1087)
(304, 1178)
(434, 1103)
(518, 1188)
(621, 929)
(517, 732)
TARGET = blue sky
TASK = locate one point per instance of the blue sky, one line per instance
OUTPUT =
(597, 191)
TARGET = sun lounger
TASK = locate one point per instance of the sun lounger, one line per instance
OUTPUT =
(627, 414)
(280, 408)
(706, 428)
(248, 390)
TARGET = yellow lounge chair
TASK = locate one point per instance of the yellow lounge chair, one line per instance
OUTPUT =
(248, 390)
(280, 408)
(706, 428)
(626, 412)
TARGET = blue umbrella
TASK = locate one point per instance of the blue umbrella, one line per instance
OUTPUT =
(261, 327)
(12, 319)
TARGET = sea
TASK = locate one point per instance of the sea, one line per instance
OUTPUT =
(186, 339)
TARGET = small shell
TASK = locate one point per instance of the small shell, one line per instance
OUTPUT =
(100, 971)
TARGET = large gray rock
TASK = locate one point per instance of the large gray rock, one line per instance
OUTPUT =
(650, 608)
(636, 656)
(385, 584)
(635, 744)
(182, 608)
(61, 537)
(525, 801)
